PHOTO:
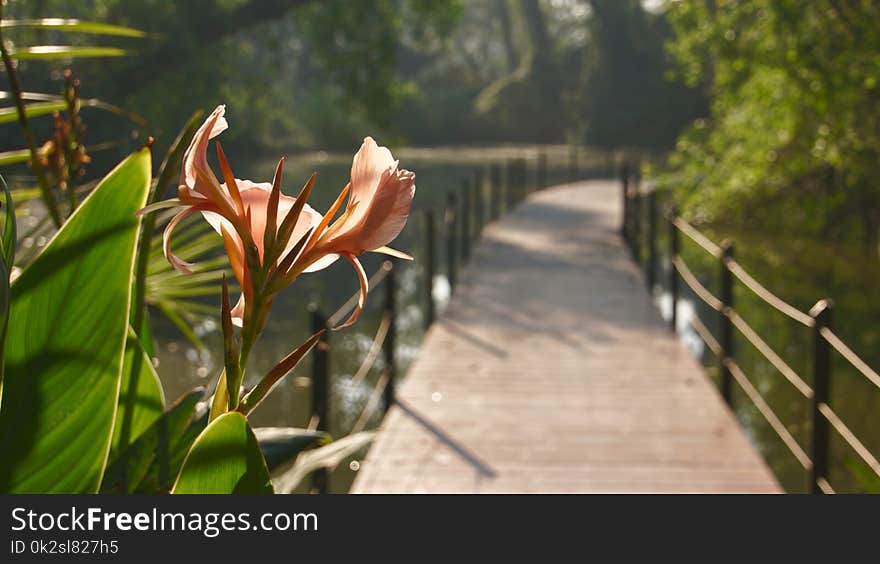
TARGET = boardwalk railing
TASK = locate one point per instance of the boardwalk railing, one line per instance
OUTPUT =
(639, 228)
(486, 193)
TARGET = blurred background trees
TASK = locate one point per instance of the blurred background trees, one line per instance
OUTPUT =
(305, 74)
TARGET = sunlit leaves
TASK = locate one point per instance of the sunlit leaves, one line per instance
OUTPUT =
(67, 331)
(72, 25)
(53, 52)
(225, 458)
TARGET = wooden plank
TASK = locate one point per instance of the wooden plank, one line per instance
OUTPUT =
(551, 371)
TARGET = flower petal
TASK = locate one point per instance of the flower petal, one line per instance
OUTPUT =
(362, 298)
(196, 154)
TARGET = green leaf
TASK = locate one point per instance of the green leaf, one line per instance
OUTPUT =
(225, 458)
(10, 235)
(50, 52)
(14, 157)
(9, 115)
(67, 329)
(151, 462)
(149, 401)
(281, 445)
(79, 26)
(288, 477)
(7, 259)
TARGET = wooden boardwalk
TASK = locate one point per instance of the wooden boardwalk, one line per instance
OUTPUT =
(552, 372)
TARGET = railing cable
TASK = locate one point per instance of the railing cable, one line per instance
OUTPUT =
(768, 296)
(752, 337)
(768, 414)
(701, 291)
(850, 438)
(851, 357)
(349, 305)
(694, 235)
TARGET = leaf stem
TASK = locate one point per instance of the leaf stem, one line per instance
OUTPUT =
(15, 88)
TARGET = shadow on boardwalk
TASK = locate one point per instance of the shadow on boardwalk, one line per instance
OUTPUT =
(551, 371)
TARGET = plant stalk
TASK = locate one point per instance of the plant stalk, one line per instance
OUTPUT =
(15, 88)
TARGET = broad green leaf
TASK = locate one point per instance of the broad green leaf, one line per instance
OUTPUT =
(281, 445)
(79, 26)
(7, 259)
(49, 52)
(287, 477)
(153, 460)
(14, 157)
(9, 115)
(225, 458)
(148, 402)
(67, 329)
(10, 234)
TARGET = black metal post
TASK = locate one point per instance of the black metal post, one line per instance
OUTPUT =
(541, 171)
(320, 388)
(479, 201)
(821, 314)
(624, 179)
(522, 170)
(497, 190)
(673, 272)
(388, 346)
(451, 221)
(465, 230)
(510, 185)
(573, 163)
(725, 324)
(430, 262)
(636, 239)
(652, 241)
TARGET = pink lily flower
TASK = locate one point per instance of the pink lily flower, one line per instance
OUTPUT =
(276, 237)
(379, 199)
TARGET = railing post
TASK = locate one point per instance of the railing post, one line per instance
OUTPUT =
(821, 314)
(510, 185)
(652, 241)
(673, 272)
(636, 237)
(430, 263)
(541, 171)
(465, 229)
(522, 170)
(624, 192)
(497, 191)
(388, 346)
(479, 200)
(725, 323)
(572, 163)
(451, 259)
(320, 388)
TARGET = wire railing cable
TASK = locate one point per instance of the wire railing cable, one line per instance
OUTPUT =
(701, 291)
(768, 296)
(373, 353)
(349, 305)
(767, 412)
(762, 347)
(372, 403)
(694, 235)
(850, 438)
(850, 356)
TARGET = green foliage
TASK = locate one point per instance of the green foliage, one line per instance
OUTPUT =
(65, 345)
(151, 463)
(148, 403)
(225, 458)
(795, 117)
